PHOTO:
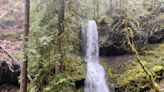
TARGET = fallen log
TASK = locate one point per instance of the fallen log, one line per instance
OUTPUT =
(10, 55)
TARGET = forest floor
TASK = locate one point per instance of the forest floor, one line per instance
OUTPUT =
(11, 21)
(10, 41)
(11, 25)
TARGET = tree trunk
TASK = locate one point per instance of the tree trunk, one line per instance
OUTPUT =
(61, 9)
(117, 3)
(94, 10)
(153, 4)
(23, 85)
(123, 4)
(120, 4)
(97, 8)
(61, 16)
(111, 7)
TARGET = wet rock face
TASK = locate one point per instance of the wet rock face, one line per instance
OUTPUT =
(79, 83)
(157, 37)
(9, 72)
(112, 51)
(162, 9)
(112, 38)
(146, 29)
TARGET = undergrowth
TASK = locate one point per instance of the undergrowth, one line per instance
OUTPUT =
(132, 78)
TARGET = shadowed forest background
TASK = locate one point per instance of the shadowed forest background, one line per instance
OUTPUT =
(131, 43)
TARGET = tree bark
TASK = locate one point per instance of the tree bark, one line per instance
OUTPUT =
(94, 10)
(97, 8)
(111, 7)
(153, 4)
(61, 10)
(23, 85)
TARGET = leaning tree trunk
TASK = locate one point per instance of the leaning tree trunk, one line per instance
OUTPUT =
(129, 36)
(23, 85)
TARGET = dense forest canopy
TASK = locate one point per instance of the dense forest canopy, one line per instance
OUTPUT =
(131, 36)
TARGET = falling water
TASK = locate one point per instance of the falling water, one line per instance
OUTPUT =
(95, 77)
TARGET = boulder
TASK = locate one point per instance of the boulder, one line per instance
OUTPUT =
(157, 37)
(9, 68)
(9, 72)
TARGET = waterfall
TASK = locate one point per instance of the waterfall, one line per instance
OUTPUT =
(95, 77)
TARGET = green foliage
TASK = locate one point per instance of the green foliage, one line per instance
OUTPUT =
(74, 66)
(132, 77)
(60, 83)
(43, 48)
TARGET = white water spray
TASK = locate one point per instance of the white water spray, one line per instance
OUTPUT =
(95, 77)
